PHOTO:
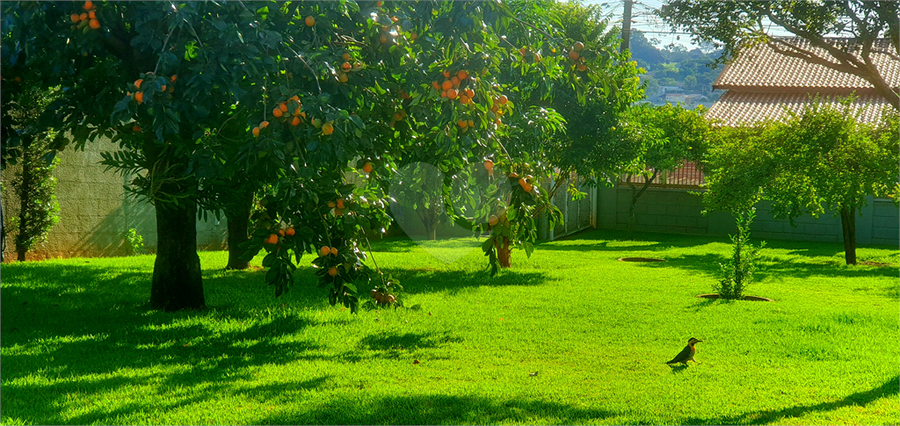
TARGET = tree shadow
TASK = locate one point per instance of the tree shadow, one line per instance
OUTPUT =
(83, 323)
(430, 281)
(442, 409)
(768, 266)
(888, 389)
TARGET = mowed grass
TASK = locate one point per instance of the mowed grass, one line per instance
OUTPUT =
(569, 336)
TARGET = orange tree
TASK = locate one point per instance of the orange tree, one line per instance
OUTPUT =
(322, 91)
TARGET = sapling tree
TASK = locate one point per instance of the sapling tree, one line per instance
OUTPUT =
(737, 273)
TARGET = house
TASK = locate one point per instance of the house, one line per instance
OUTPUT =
(762, 84)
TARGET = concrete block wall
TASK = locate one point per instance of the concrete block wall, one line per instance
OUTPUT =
(95, 211)
(679, 211)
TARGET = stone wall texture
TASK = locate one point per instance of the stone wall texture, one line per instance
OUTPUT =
(96, 211)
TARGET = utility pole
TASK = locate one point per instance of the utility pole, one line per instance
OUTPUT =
(626, 26)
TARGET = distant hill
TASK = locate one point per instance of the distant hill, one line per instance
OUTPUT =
(675, 74)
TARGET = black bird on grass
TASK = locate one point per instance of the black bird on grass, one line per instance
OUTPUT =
(686, 354)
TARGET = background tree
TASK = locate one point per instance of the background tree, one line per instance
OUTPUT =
(821, 158)
(658, 139)
(30, 147)
(737, 25)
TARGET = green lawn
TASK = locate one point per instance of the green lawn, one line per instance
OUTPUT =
(79, 345)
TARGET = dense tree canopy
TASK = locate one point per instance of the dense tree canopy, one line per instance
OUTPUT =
(299, 95)
(821, 158)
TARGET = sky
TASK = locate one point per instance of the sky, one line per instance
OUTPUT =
(645, 21)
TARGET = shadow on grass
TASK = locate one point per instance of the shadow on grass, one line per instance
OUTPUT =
(427, 281)
(441, 409)
(83, 324)
(769, 266)
(890, 388)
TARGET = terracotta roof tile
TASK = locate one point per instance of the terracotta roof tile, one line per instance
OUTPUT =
(735, 108)
(761, 68)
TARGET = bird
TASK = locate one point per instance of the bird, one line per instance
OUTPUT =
(686, 354)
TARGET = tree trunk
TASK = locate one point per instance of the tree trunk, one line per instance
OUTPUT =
(848, 225)
(503, 253)
(635, 195)
(238, 216)
(24, 200)
(177, 283)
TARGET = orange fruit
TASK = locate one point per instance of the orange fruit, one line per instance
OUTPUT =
(174, 77)
(290, 232)
(162, 88)
(83, 17)
(462, 74)
(283, 107)
(452, 93)
(398, 117)
(573, 55)
(472, 123)
(339, 203)
(346, 66)
(342, 77)
(413, 36)
(334, 251)
(367, 168)
(281, 232)
(435, 85)
(346, 56)
(332, 271)
(92, 15)
(137, 83)
(379, 3)
(493, 220)
(524, 184)
(331, 204)
(578, 47)
(446, 74)
(277, 112)
(444, 94)
(75, 17)
(447, 85)
(514, 175)
(503, 99)
(310, 21)
(263, 124)
(383, 39)
(462, 123)
(455, 80)
(136, 128)
(295, 121)
(327, 128)
(324, 251)
(470, 93)
(273, 239)
(139, 97)
(581, 67)
(338, 212)
(488, 165)
(88, 5)
(256, 132)
(463, 99)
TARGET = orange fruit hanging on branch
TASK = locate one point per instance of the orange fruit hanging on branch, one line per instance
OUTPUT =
(309, 21)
